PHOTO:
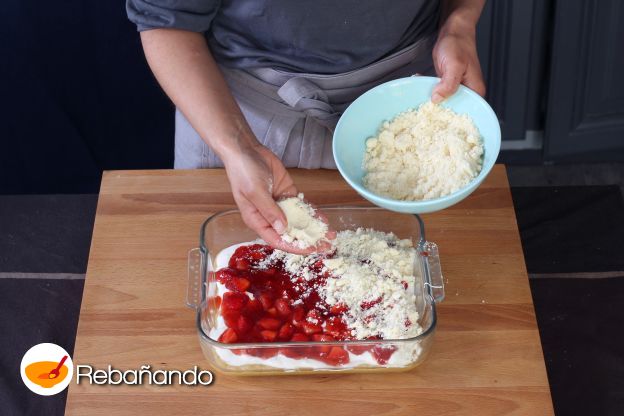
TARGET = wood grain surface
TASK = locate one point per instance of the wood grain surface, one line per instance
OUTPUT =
(486, 358)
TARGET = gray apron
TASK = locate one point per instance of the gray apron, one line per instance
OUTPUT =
(294, 114)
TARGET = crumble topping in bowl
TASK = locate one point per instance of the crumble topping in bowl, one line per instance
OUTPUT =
(423, 154)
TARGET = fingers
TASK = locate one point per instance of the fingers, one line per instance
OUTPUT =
(323, 246)
(253, 218)
(288, 192)
(259, 223)
(474, 79)
(283, 185)
(268, 208)
(452, 75)
(262, 214)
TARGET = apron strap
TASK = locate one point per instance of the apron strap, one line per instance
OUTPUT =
(305, 96)
(308, 106)
(298, 100)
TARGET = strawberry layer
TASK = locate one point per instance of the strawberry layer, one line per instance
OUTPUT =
(404, 355)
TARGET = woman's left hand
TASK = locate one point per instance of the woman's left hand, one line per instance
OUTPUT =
(456, 61)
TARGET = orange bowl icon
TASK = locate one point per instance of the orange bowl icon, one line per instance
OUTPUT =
(42, 373)
(46, 369)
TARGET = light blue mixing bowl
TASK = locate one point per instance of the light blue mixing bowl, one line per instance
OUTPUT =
(364, 117)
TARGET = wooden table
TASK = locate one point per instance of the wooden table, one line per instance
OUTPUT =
(486, 359)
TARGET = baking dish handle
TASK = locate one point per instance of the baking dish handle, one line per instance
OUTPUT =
(193, 290)
(429, 251)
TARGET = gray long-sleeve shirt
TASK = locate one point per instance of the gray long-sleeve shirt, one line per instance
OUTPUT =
(305, 36)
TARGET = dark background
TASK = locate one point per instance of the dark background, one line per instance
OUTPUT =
(78, 97)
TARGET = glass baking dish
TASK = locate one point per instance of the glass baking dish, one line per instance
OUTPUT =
(225, 229)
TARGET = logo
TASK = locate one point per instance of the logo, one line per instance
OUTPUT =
(47, 369)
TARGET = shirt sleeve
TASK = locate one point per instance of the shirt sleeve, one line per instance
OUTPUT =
(192, 15)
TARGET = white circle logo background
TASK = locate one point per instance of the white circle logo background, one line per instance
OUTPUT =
(46, 352)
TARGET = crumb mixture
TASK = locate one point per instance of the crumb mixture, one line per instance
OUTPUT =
(423, 154)
(369, 279)
(304, 229)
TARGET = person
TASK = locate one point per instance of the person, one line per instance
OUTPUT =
(259, 84)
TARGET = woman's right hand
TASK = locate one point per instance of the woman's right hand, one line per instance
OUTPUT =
(258, 178)
(185, 68)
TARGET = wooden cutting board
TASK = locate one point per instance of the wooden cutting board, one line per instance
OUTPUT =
(486, 358)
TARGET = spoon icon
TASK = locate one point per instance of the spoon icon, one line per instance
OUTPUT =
(54, 373)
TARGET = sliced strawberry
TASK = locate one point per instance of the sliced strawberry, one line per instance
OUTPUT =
(228, 336)
(234, 301)
(298, 316)
(267, 353)
(404, 283)
(338, 309)
(282, 306)
(318, 265)
(309, 328)
(322, 338)
(268, 335)
(270, 271)
(241, 253)
(241, 264)
(336, 356)
(269, 323)
(359, 349)
(370, 303)
(286, 332)
(272, 311)
(383, 353)
(237, 284)
(296, 352)
(244, 324)
(257, 255)
(335, 327)
(313, 316)
(299, 280)
(253, 309)
(299, 337)
(323, 349)
(225, 274)
(266, 300)
(254, 352)
(231, 319)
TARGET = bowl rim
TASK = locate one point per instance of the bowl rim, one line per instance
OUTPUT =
(427, 203)
(215, 343)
